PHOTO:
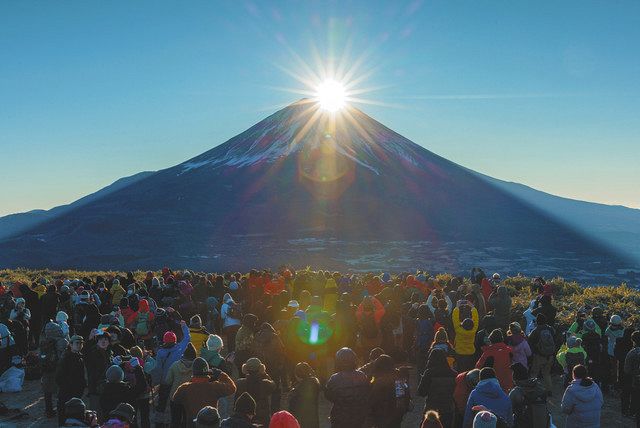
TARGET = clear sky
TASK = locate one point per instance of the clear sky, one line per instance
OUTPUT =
(545, 93)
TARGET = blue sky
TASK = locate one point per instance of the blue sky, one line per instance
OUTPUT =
(544, 93)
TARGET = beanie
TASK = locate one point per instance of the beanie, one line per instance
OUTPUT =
(189, 352)
(615, 320)
(496, 336)
(283, 419)
(195, 322)
(485, 419)
(520, 372)
(467, 324)
(114, 374)
(200, 367)
(572, 342)
(124, 411)
(253, 365)
(61, 316)
(207, 417)
(214, 342)
(487, 373)
(590, 325)
(75, 407)
(245, 404)
(169, 337)
(441, 336)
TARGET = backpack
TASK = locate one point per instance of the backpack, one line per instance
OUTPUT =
(546, 344)
(142, 324)
(234, 311)
(572, 359)
(369, 326)
(535, 413)
(424, 335)
(49, 356)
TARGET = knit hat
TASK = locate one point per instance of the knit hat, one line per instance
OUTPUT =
(253, 365)
(245, 404)
(190, 352)
(485, 419)
(590, 325)
(496, 336)
(61, 316)
(346, 359)
(303, 370)
(76, 338)
(293, 304)
(75, 407)
(136, 351)
(467, 324)
(200, 367)
(441, 336)
(520, 372)
(207, 417)
(123, 411)
(233, 286)
(572, 342)
(114, 374)
(487, 373)
(169, 337)
(214, 342)
(283, 419)
(472, 377)
(615, 320)
(195, 321)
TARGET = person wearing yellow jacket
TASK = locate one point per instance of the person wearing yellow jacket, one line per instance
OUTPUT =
(465, 335)
(199, 334)
(117, 292)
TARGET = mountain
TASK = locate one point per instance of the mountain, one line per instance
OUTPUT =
(309, 188)
(13, 224)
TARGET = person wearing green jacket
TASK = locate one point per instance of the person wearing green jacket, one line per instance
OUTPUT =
(570, 355)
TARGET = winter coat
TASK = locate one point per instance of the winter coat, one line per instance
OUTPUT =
(166, 356)
(303, 402)
(70, 376)
(530, 394)
(97, 361)
(199, 338)
(548, 310)
(237, 421)
(348, 391)
(49, 303)
(464, 341)
(201, 391)
(438, 386)
(382, 403)
(501, 354)
(529, 318)
(488, 393)
(228, 321)
(461, 392)
(582, 403)
(114, 393)
(534, 338)
(180, 372)
(260, 389)
(632, 362)
(51, 341)
(500, 301)
(519, 348)
(571, 353)
(613, 333)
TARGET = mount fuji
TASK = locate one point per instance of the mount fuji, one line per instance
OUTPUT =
(338, 191)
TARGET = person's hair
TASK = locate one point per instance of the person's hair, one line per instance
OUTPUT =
(431, 419)
(635, 337)
(579, 372)
(487, 373)
(496, 336)
(514, 328)
(541, 319)
(375, 353)
(437, 359)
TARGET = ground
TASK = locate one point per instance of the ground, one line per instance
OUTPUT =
(31, 401)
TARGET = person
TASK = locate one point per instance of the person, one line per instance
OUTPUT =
(622, 348)
(519, 346)
(77, 414)
(61, 320)
(465, 330)
(528, 400)
(244, 410)
(501, 355)
(123, 415)
(500, 301)
(389, 393)
(592, 344)
(244, 340)
(489, 393)
(423, 337)
(52, 349)
(613, 332)
(211, 354)
(207, 417)
(97, 360)
(465, 383)
(198, 333)
(303, 399)
(116, 390)
(70, 375)
(543, 347)
(181, 371)
(231, 316)
(582, 401)
(437, 384)
(204, 389)
(258, 383)
(348, 391)
(166, 356)
(570, 356)
(283, 419)
(431, 419)
(632, 371)
(546, 308)
(485, 419)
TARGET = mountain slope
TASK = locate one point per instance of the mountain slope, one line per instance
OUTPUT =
(305, 187)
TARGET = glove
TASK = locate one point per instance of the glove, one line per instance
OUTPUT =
(134, 362)
(215, 374)
(117, 360)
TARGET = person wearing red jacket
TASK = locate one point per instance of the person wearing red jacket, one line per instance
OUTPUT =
(502, 356)
(465, 382)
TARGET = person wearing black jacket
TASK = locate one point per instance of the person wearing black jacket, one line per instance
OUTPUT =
(70, 376)
(49, 302)
(116, 390)
(542, 357)
(97, 360)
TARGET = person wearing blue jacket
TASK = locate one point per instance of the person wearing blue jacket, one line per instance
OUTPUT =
(167, 354)
(582, 401)
(488, 394)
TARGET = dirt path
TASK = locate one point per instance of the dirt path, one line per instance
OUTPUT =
(30, 400)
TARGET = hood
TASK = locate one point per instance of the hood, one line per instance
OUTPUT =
(143, 306)
(503, 291)
(584, 390)
(53, 331)
(515, 339)
(490, 388)
(212, 356)
(227, 298)
(62, 316)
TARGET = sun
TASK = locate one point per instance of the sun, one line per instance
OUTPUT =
(331, 95)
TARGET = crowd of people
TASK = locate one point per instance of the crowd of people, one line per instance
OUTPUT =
(187, 349)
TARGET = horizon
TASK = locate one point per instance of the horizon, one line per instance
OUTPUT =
(516, 93)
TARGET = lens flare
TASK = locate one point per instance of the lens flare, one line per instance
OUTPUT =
(331, 95)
